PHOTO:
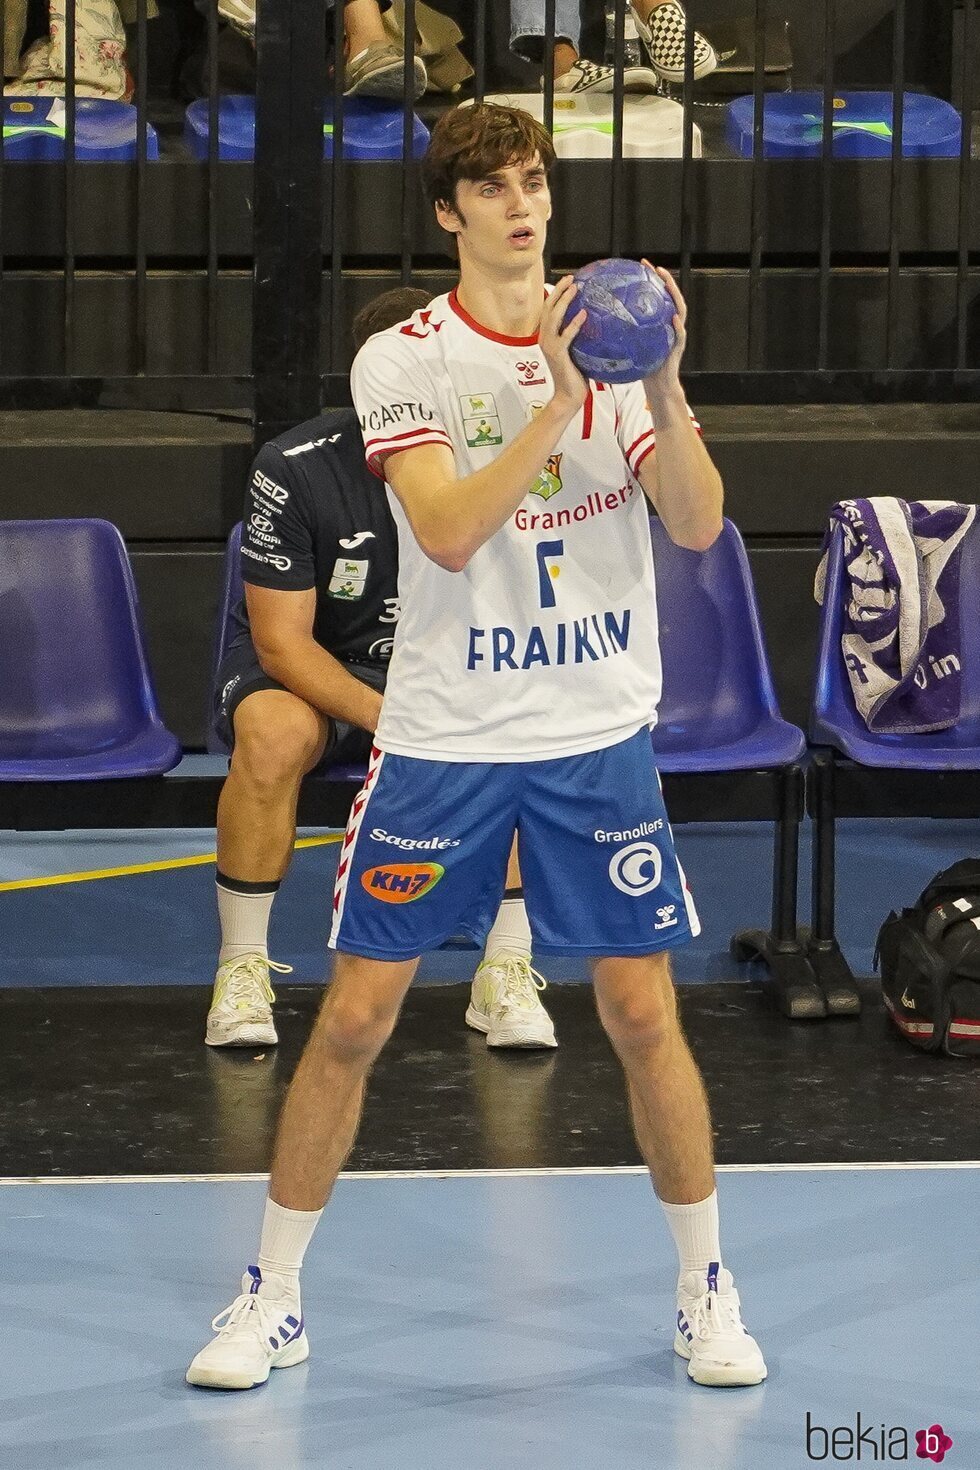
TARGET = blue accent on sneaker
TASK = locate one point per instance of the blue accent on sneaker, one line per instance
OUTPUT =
(274, 1343)
(684, 1327)
(713, 1276)
(256, 1276)
(291, 1322)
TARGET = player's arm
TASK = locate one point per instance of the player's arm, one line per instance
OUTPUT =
(452, 517)
(282, 632)
(679, 478)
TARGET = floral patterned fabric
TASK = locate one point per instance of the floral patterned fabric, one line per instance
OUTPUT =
(100, 55)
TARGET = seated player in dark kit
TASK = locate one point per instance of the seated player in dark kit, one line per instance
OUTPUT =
(301, 686)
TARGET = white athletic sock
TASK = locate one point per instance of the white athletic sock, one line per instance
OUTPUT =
(244, 919)
(285, 1236)
(695, 1232)
(511, 933)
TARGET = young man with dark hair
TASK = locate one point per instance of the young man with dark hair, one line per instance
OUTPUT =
(524, 681)
(301, 687)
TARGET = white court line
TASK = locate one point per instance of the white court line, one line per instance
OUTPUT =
(478, 1173)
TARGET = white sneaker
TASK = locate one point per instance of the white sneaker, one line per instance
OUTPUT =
(710, 1334)
(662, 34)
(504, 1003)
(261, 1330)
(590, 76)
(241, 1005)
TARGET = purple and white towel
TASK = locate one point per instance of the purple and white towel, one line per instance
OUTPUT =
(901, 622)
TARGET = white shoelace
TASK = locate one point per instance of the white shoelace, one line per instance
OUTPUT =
(713, 1314)
(244, 976)
(258, 1314)
(519, 984)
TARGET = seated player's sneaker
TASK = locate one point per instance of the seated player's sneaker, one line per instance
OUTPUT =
(261, 1330)
(504, 1004)
(589, 76)
(241, 1005)
(710, 1334)
(662, 34)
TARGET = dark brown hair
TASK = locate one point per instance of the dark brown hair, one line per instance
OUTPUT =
(471, 142)
(387, 309)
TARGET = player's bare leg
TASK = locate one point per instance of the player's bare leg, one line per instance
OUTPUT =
(263, 1328)
(504, 1002)
(638, 1009)
(278, 738)
(322, 1108)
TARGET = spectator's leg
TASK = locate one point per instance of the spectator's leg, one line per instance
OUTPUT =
(527, 32)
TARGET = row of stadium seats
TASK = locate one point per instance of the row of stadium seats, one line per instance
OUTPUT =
(77, 704)
(34, 128)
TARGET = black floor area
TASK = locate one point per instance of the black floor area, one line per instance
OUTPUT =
(118, 1081)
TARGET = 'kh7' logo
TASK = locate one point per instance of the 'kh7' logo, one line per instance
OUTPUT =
(401, 882)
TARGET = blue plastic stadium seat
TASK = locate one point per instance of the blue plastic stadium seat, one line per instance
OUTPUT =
(373, 129)
(105, 131)
(835, 720)
(792, 125)
(718, 711)
(76, 696)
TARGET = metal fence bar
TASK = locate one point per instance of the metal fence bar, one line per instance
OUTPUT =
(967, 63)
(338, 194)
(69, 189)
(408, 157)
(140, 241)
(895, 192)
(759, 185)
(211, 345)
(480, 50)
(616, 172)
(687, 154)
(548, 65)
(826, 185)
(288, 204)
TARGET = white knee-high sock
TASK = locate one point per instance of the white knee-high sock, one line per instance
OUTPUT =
(285, 1236)
(695, 1232)
(511, 932)
(243, 913)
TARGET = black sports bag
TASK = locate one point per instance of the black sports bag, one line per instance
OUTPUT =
(929, 958)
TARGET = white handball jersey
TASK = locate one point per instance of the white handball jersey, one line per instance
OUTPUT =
(545, 645)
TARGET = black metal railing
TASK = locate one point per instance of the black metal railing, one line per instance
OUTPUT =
(824, 278)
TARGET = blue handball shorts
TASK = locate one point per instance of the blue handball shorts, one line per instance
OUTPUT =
(425, 855)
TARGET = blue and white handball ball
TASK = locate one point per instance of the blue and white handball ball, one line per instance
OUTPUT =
(629, 330)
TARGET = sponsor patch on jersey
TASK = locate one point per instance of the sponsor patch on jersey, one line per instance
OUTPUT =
(477, 403)
(401, 882)
(348, 580)
(548, 482)
(482, 431)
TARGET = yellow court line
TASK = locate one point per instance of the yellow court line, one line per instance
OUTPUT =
(161, 867)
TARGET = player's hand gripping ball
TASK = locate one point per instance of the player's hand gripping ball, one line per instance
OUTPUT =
(628, 332)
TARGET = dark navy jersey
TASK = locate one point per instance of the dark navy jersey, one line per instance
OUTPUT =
(315, 516)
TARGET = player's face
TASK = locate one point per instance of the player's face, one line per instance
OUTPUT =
(501, 221)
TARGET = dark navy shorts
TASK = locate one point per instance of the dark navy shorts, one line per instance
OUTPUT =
(240, 674)
(425, 855)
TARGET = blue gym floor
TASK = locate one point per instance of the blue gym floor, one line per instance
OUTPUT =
(159, 927)
(469, 1322)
